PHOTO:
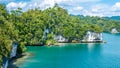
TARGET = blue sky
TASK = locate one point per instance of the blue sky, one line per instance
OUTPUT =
(76, 7)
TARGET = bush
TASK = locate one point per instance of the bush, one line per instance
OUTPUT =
(50, 42)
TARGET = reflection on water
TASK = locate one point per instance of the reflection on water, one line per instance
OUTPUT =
(92, 47)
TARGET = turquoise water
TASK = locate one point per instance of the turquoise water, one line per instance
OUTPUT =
(76, 55)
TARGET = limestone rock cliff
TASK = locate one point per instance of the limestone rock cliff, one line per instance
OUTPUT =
(13, 54)
(60, 38)
(92, 37)
(114, 31)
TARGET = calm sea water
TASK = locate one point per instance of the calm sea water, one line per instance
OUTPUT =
(76, 55)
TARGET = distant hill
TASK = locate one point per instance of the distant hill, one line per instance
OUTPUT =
(107, 18)
(113, 18)
(107, 23)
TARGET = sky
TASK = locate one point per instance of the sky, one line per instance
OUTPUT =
(77, 7)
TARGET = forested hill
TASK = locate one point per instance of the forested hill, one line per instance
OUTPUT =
(107, 23)
(113, 18)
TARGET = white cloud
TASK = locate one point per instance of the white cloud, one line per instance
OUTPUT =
(61, 1)
(47, 3)
(102, 10)
(82, 7)
(79, 8)
(6, 1)
(40, 4)
(43, 4)
(50, 3)
(94, 10)
(116, 7)
(87, 1)
(99, 8)
(89, 13)
(13, 5)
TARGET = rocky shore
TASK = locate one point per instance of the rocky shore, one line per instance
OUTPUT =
(16, 61)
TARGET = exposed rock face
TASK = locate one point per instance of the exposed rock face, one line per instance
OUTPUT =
(4, 62)
(92, 37)
(14, 50)
(114, 31)
(46, 31)
(60, 38)
(13, 54)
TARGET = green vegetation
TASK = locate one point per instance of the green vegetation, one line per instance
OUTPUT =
(28, 28)
(107, 23)
(8, 34)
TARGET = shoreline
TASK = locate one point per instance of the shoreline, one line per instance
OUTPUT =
(59, 44)
(15, 62)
